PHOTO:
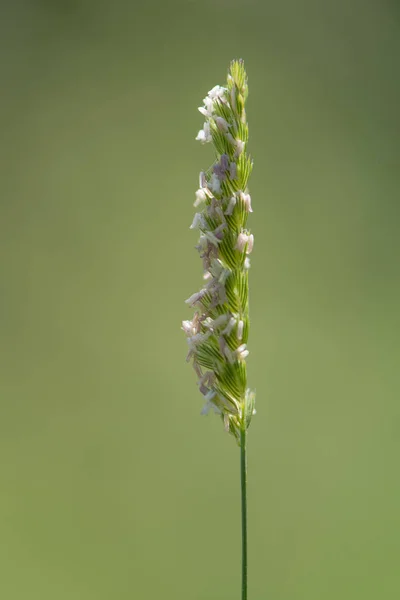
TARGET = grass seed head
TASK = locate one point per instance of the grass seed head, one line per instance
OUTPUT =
(218, 332)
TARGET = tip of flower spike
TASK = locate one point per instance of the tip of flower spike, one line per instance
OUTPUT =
(238, 74)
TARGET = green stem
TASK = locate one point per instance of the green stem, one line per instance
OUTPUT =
(243, 485)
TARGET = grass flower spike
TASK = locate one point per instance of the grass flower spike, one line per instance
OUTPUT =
(217, 334)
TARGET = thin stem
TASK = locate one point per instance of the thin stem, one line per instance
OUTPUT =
(243, 484)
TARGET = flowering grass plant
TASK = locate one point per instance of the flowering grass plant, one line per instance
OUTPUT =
(218, 332)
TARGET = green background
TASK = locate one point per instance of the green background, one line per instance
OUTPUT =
(111, 484)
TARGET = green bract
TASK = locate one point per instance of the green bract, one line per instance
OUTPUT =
(217, 334)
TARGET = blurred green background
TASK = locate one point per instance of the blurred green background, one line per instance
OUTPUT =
(112, 485)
